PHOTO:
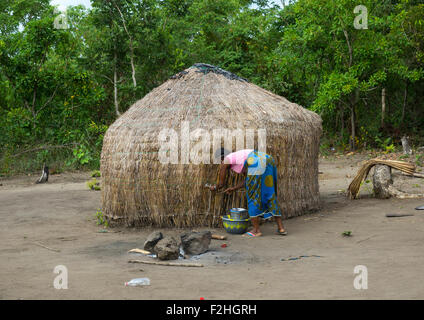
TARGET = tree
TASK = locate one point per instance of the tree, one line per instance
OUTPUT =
(333, 67)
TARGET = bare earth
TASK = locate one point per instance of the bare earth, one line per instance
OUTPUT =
(61, 216)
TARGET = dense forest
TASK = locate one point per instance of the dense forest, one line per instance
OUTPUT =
(65, 77)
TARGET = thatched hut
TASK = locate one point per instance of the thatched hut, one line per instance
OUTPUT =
(145, 183)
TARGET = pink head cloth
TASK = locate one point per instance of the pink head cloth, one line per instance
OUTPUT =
(237, 159)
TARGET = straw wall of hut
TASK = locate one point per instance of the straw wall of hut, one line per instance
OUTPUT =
(186, 114)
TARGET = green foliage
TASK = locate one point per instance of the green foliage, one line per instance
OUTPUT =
(57, 87)
(101, 220)
(339, 71)
(82, 155)
(390, 148)
(347, 233)
(93, 184)
(16, 125)
(385, 144)
(95, 174)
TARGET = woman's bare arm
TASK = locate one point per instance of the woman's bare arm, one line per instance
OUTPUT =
(240, 185)
(237, 186)
(222, 174)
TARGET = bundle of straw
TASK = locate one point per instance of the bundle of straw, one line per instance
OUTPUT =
(362, 174)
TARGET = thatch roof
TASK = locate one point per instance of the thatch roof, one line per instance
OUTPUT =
(138, 189)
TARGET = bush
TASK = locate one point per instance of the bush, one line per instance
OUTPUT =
(95, 174)
(93, 184)
(101, 220)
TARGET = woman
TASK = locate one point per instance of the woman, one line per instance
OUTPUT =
(260, 183)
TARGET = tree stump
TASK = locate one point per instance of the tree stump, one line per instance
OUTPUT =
(383, 185)
(405, 145)
(382, 180)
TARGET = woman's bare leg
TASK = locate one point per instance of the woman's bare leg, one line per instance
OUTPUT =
(255, 230)
(279, 224)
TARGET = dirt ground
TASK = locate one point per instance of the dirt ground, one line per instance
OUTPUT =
(60, 215)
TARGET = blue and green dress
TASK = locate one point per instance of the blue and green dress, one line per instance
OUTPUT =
(260, 185)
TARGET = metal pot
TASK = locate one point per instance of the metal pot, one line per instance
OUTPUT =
(239, 213)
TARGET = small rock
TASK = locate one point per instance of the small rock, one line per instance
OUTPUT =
(196, 242)
(167, 249)
(152, 240)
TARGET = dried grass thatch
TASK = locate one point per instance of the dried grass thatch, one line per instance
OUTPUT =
(362, 174)
(137, 189)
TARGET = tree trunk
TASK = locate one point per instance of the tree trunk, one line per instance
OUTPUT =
(354, 101)
(131, 46)
(383, 106)
(341, 110)
(349, 47)
(405, 145)
(115, 86)
(405, 93)
(353, 131)
(382, 179)
(132, 65)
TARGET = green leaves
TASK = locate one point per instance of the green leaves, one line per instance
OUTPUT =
(82, 155)
(16, 126)
(58, 86)
(336, 87)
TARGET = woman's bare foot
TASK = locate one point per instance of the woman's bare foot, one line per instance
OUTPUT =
(253, 233)
(281, 231)
(280, 226)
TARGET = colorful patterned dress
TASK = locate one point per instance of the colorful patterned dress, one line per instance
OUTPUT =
(260, 185)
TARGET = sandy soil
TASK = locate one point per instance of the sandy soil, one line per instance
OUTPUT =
(61, 216)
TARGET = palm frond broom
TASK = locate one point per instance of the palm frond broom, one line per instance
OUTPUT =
(362, 174)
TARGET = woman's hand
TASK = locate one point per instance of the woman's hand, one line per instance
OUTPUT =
(213, 188)
(229, 190)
